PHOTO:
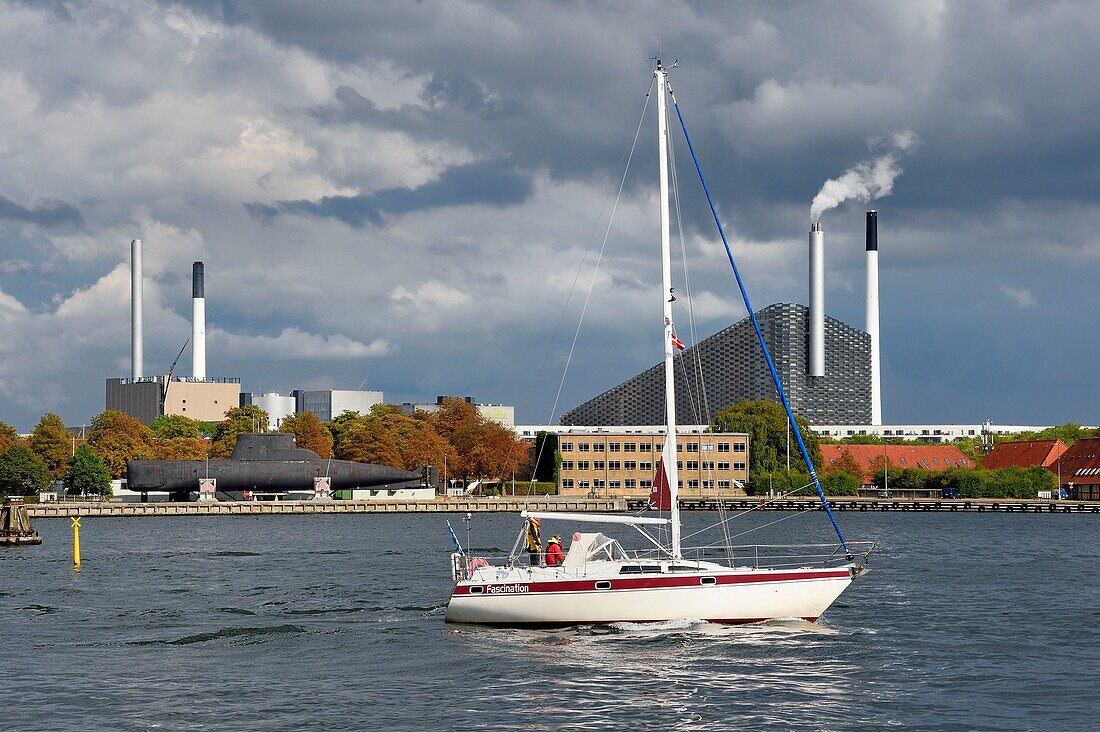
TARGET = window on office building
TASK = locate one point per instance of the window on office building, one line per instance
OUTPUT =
(582, 465)
(693, 465)
(630, 465)
(693, 447)
(739, 467)
(647, 483)
(612, 447)
(739, 447)
(693, 484)
(567, 447)
(614, 465)
(582, 447)
(566, 482)
(566, 464)
(630, 447)
(723, 466)
(630, 483)
(645, 467)
(723, 447)
(597, 464)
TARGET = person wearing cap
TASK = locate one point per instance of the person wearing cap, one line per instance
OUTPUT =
(554, 554)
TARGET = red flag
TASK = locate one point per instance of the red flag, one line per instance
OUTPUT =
(677, 343)
(660, 498)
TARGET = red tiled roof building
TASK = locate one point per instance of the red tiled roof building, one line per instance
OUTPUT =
(1024, 454)
(1079, 470)
(869, 457)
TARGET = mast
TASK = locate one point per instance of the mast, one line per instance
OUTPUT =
(667, 295)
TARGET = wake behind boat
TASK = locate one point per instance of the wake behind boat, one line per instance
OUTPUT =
(599, 582)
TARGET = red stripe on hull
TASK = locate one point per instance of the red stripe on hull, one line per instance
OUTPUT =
(734, 621)
(643, 583)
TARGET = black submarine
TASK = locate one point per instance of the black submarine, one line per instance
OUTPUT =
(266, 463)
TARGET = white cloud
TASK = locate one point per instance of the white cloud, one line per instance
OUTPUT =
(1021, 296)
(295, 344)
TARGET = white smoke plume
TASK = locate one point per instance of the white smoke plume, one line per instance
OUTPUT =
(867, 179)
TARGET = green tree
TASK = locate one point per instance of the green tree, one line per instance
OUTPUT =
(87, 474)
(8, 436)
(308, 432)
(52, 443)
(840, 483)
(118, 438)
(22, 472)
(766, 424)
(238, 421)
(168, 426)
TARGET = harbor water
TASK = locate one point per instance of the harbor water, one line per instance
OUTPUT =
(976, 622)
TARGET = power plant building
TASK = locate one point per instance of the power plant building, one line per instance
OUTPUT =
(504, 414)
(330, 403)
(829, 369)
(734, 370)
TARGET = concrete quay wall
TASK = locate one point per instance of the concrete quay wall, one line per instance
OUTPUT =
(267, 508)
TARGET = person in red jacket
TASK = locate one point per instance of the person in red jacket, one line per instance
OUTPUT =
(554, 554)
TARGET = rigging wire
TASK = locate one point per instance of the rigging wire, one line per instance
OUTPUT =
(629, 157)
(760, 337)
(695, 360)
(599, 257)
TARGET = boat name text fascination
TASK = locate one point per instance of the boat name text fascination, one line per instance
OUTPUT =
(505, 589)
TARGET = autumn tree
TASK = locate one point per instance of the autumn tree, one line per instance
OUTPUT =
(52, 443)
(180, 448)
(308, 432)
(118, 438)
(460, 424)
(22, 472)
(168, 426)
(388, 436)
(844, 464)
(498, 453)
(87, 474)
(368, 439)
(8, 436)
(238, 420)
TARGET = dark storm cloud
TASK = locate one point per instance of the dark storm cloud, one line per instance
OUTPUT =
(45, 213)
(493, 183)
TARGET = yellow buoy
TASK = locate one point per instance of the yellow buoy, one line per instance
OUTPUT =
(75, 520)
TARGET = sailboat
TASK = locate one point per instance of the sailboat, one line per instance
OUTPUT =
(600, 582)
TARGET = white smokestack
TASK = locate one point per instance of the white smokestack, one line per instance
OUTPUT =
(872, 317)
(198, 322)
(816, 361)
(136, 352)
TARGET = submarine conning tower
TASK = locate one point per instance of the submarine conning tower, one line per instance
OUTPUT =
(272, 446)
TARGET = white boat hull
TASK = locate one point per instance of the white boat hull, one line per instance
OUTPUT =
(735, 596)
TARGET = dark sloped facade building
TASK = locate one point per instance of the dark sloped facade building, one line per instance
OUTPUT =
(728, 367)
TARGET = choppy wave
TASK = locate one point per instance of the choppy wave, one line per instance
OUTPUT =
(243, 634)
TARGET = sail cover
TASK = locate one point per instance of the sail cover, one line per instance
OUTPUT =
(660, 499)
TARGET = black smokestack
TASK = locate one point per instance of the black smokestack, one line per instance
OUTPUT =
(197, 284)
(872, 231)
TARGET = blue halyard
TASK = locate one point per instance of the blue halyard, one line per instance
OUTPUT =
(760, 335)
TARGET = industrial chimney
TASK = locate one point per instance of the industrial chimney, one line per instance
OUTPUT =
(136, 354)
(872, 317)
(816, 361)
(198, 322)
